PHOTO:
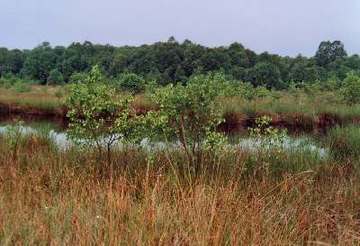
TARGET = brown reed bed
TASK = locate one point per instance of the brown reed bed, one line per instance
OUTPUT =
(49, 196)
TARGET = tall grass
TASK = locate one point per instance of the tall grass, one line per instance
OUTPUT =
(344, 142)
(288, 103)
(50, 196)
(34, 96)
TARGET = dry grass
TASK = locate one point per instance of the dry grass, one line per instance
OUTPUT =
(41, 97)
(288, 103)
(279, 104)
(53, 197)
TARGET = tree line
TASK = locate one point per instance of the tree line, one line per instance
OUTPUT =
(174, 62)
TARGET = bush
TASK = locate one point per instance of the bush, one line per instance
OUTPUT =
(262, 92)
(351, 88)
(247, 91)
(277, 153)
(98, 118)
(192, 113)
(55, 77)
(78, 78)
(130, 82)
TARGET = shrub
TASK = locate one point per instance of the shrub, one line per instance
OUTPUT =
(247, 91)
(55, 77)
(130, 82)
(262, 92)
(271, 139)
(192, 113)
(78, 78)
(98, 118)
(351, 88)
(277, 153)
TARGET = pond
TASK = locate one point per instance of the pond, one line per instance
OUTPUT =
(289, 143)
(55, 133)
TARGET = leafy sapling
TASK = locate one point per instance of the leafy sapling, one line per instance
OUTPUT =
(191, 112)
(99, 117)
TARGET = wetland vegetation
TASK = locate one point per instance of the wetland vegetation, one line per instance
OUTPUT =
(179, 144)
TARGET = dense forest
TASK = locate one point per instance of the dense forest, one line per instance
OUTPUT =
(171, 62)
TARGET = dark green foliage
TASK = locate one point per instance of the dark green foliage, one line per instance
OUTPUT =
(11, 61)
(130, 82)
(266, 74)
(351, 88)
(174, 62)
(303, 70)
(55, 77)
(329, 52)
(40, 61)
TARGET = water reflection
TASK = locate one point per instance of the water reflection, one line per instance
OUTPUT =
(305, 144)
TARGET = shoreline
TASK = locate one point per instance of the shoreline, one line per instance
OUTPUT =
(234, 121)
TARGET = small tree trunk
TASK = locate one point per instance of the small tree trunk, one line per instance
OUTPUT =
(182, 138)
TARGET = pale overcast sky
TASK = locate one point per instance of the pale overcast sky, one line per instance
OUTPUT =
(286, 27)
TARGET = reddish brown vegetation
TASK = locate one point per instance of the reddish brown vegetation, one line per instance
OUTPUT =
(235, 122)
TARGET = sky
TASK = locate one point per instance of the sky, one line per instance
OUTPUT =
(286, 27)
